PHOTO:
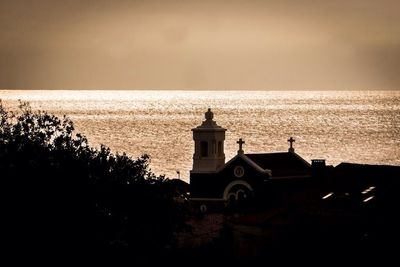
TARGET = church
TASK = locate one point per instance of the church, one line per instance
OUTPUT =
(274, 201)
(216, 184)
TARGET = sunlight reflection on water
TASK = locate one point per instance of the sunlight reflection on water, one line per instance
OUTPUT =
(351, 126)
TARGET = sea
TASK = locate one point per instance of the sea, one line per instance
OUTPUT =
(338, 126)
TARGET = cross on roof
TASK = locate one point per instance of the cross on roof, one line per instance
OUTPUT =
(240, 142)
(291, 140)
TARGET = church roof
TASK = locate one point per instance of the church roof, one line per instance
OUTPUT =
(284, 164)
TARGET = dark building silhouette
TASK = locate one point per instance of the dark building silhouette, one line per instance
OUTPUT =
(278, 202)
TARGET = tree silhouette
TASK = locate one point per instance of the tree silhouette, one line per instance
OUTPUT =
(63, 194)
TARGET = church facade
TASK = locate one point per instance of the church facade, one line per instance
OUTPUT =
(216, 184)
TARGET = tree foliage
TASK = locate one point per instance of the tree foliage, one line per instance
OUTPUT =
(61, 192)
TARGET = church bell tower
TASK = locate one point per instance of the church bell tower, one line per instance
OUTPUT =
(209, 140)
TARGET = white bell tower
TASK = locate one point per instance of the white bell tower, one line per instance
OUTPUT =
(208, 145)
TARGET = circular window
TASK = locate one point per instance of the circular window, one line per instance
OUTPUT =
(238, 171)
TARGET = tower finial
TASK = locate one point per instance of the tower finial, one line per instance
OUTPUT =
(209, 115)
(240, 142)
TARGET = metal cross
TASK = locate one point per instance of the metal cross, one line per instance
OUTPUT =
(240, 142)
(291, 140)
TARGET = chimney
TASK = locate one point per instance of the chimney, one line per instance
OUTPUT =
(318, 167)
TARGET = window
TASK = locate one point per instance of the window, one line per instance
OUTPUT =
(214, 147)
(238, 171)
(220, 148)
(204, 149)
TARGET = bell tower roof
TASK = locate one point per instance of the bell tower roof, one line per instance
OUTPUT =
(209, 123)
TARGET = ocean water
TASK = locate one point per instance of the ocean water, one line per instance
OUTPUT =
(339, 126)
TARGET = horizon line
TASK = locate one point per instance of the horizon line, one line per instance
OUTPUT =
(118, 89)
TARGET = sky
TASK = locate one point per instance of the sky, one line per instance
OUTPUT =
(200, 45)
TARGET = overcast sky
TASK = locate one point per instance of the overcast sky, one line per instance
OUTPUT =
(272, 45)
